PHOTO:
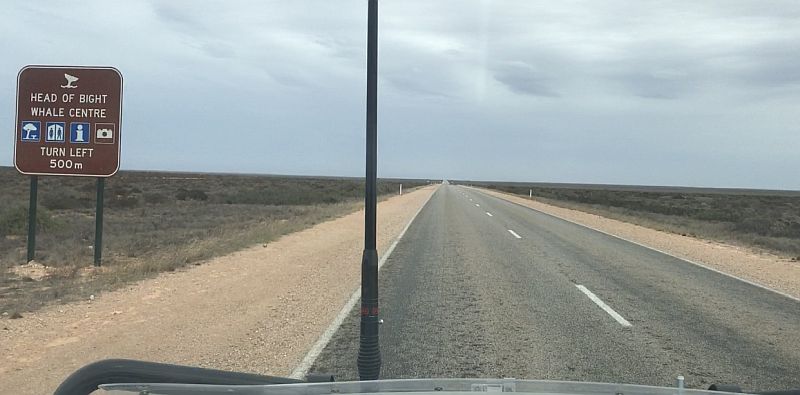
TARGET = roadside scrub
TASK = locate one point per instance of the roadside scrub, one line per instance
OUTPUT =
(154, 222)
(764, 220)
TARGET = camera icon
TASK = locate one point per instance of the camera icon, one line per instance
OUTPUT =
(104, 133)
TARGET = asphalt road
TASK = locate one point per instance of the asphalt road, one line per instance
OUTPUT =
(481, 287)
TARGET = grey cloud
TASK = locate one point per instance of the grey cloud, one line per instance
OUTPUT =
(288, 79)
(774, 9)
(346, 49)
(772, 64)
(409, 84)
(420, 72)
(523, 79)
(174, 16)
(218, 49)
(658, 85)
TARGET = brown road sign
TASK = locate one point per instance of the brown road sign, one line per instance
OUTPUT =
(68, 121)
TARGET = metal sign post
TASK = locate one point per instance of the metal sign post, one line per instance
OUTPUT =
(369, 354)
(98, 224)
(32, 218)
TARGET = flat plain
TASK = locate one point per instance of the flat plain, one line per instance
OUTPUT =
(154, 222)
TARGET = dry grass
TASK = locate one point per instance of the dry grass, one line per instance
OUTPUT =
(154, 222)
(765, 220)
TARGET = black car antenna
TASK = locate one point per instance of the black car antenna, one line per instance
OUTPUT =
(369, 353)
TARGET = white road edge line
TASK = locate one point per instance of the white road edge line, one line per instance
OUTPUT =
(687, 260)
(607, 308)
(514, 234)
(305, 364)
(489, 214)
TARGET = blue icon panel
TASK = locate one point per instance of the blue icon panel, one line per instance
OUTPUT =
(54, 132)
(79, 132)
(31, 131)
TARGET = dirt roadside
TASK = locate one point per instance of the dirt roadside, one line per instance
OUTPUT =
(769, 270)
(257, 310)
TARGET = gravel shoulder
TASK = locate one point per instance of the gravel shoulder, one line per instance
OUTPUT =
(257, 310)
(766, 269)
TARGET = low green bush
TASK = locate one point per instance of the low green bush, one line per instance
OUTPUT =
(14, 220)
(65, 201)
(124, 202)
(155, 198)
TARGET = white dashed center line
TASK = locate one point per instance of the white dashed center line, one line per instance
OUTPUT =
(514, 234)
(607, 308)
(489, 214)
(477, 205)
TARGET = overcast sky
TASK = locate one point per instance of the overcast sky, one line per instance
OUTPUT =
(628, 92)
